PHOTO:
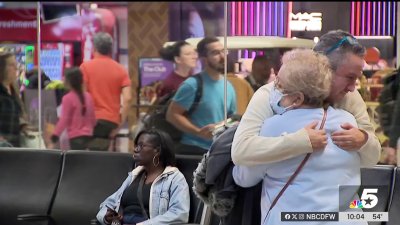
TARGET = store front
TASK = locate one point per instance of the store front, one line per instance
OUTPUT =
(251, 38)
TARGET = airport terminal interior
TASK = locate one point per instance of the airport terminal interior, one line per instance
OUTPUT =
(199, 96)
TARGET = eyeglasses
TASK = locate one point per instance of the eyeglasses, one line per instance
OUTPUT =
(346, 39)
(141, 146)
(217, 52)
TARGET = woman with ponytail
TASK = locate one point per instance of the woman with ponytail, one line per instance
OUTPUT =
(77, 112)
(184, 56)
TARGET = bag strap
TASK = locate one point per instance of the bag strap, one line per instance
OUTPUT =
(199, 93)
(140, 196)
(297, 170)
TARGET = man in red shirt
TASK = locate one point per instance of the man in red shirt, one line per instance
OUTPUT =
(106, 80)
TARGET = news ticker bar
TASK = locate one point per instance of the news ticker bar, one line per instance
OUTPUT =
(335, 216)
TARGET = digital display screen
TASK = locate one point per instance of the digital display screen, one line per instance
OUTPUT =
(55, 11)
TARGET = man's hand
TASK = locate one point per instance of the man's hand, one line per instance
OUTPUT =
(318, 138)
(350, 139)
(206, 131)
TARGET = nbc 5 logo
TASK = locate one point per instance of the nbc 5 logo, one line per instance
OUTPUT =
(369, 198)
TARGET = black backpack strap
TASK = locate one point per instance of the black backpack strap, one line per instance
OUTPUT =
(199, 93)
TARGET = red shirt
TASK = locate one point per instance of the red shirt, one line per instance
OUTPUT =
(104, 79)
(171, 83)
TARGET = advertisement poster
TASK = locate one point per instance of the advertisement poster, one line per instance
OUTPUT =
(151, 72)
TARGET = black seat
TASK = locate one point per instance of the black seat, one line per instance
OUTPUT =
(394, 210)
(87, 179)
(187, 164)
(379, 175)
(28, 180)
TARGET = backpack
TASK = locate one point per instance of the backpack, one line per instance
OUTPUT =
(387, 100)
(214, 185)
(156, 119)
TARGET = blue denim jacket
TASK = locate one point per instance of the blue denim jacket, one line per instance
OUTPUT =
(169, 198)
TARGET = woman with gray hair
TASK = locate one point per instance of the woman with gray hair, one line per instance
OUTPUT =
(308, 182)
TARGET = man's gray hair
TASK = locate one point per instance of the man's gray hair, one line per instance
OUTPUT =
(332, 45)
(308, 72)
(103, 43)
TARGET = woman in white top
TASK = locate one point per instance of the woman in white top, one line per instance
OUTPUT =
(297, 98)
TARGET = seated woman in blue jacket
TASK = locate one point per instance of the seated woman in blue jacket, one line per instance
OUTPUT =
(155, 192)
(297, 98)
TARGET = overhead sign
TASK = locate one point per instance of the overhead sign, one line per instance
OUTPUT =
(305, 21)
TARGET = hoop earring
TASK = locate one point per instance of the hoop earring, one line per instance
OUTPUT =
(158, 161)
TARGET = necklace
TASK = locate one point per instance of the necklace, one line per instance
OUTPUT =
(152, 176)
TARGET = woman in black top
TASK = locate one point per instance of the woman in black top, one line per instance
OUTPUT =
(155, 192)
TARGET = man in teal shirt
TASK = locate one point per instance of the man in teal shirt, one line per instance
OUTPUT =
(198, 126)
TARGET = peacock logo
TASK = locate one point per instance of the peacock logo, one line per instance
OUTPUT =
(356, 204)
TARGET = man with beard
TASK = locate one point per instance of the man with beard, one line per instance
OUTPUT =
(198, 126)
